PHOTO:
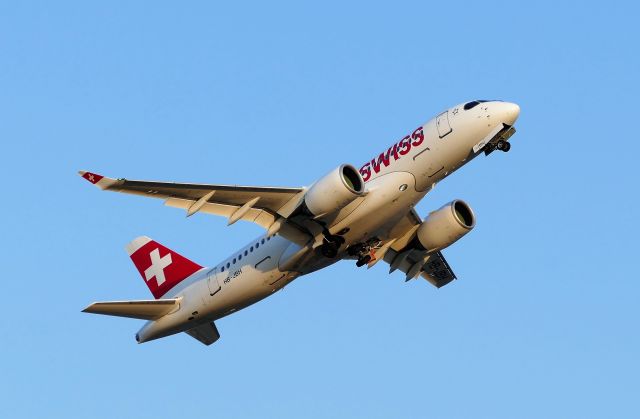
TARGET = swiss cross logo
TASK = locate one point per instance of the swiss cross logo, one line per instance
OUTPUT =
(157, 266)
(161, 268)
(92, 177)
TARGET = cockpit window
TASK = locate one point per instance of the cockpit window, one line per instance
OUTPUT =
(473, 104)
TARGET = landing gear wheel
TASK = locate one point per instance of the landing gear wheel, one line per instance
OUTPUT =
(363, 261)
(329, 250)
(355, 249)
(503, 146)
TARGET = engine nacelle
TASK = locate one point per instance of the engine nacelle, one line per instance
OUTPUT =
(446, 226)
(334, 191)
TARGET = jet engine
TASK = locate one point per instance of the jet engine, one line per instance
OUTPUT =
(334, 191)
(445, 226)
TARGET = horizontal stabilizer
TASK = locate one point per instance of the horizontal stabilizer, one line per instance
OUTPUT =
(206, 333)
(140, 309)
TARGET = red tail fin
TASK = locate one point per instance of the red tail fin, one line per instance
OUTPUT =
(161, 268)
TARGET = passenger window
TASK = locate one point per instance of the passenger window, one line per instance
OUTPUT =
(246, 253)
(262, 241)
(240, 256)
(252, 248)
(234, 261)
(257, 245)
(228, 264)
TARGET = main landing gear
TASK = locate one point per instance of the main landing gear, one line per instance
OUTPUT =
(363, 260)
(331, 245)
(365, 252)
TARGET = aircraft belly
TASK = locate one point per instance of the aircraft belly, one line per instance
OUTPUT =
(259, 277)
(246, 290)
(388, 201)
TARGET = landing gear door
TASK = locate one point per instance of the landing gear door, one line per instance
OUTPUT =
(212, 282)
(442, 122)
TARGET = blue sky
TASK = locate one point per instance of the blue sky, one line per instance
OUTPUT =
(544, 319)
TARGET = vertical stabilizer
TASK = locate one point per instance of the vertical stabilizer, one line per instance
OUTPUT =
(161, 268)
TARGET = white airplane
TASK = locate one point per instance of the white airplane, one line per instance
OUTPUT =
(365, 215)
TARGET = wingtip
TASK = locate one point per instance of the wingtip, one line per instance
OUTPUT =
(100, 181)
(87, 309)
(90, 176)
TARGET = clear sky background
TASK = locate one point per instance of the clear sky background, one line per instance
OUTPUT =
(543, 321)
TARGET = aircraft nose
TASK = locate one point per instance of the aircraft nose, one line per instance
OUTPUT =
(511, 112)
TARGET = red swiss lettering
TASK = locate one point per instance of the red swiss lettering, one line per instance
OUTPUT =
(383, 158)
(395, 152)
(402, 148)
(404, 145)
(417, 137)
(365, 171)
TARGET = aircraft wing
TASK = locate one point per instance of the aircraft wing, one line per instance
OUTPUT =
(260, 205)
(413, 262)
(138, 309)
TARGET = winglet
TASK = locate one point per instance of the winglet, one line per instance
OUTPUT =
(100, 181)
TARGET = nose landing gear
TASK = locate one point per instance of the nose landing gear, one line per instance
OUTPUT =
(503, 145)
(499, 141)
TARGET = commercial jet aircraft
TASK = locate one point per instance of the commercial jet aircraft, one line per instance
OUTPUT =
(364, 215)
